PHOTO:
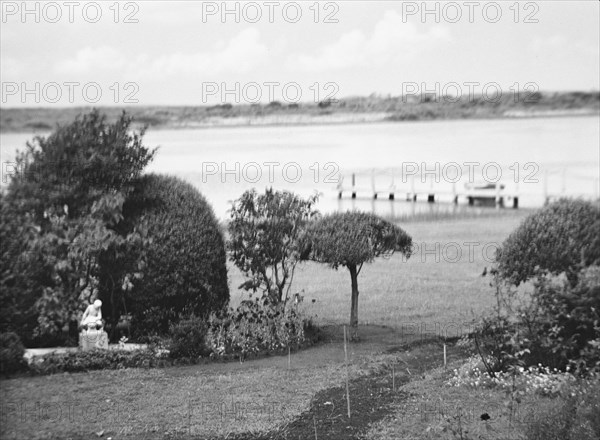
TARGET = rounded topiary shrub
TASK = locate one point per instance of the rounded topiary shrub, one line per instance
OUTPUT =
(561, 237)
(188, 338)
(11, 353)
(185, 271)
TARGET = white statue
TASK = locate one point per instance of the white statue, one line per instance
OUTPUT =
(93, 334)
(92, 317)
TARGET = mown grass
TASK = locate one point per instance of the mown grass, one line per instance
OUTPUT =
(259, 395)
(434, 286)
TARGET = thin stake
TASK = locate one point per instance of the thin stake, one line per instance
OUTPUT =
(444, 356)
(315, 423)
(393, 378)
(346, 362)
(289, 358)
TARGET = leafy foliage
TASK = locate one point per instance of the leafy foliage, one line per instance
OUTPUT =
(188, 338)
(80, 361)
(562, 237)
(257, 326)
(185, 271)
(264, 239)
(69, 193)
(11, 353)
(18, 278)
(573, 415)
(351, 239)
(557, 325)
(77, 164)
(71, 250)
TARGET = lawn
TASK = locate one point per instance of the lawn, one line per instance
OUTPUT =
(399, 301)
(435, 288)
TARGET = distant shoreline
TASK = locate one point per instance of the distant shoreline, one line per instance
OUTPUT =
(347, 111)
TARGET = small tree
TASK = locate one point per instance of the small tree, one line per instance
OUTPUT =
(264, 232)
(351, 239)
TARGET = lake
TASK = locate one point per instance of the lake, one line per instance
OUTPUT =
(544, 155)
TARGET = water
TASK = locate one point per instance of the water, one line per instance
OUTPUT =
(223, 162)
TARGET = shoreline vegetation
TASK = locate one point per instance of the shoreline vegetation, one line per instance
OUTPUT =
(374, 108)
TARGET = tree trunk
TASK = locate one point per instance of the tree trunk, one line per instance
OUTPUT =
(354, 307)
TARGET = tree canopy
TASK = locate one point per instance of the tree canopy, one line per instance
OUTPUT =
(561, 237)
(264, 234)
(78, 163)
(351, 239)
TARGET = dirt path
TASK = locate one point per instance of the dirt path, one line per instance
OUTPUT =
(371, 399)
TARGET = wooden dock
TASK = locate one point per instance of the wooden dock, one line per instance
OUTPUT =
(499, 194)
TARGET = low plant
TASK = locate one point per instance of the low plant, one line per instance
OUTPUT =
(11, 353)
(574, 414)
(96, 360)
(188, 339)
(556, 324)
(256, 326)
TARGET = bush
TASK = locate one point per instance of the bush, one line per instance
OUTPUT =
(80, 361)
(186, 272)
(257, 327)
(562, 237)
(188, 339)
(19, 288)
(557, 325)
(11, 354)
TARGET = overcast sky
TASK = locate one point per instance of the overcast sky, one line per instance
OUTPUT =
(177, 51)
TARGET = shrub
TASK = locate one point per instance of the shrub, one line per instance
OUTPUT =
(558, 325)
(257, 327)
(186, 272)
(18, 277)
(188, 339)
(562, 237)
(80, 361)
(11, 353)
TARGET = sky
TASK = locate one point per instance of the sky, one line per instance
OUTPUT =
(195, 53)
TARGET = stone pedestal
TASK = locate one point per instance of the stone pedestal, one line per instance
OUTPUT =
(89, 339)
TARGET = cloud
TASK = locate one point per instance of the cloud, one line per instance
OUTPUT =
(391, 40)
(241, 53)
(91, 59)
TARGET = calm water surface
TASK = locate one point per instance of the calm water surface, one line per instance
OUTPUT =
(223, 162)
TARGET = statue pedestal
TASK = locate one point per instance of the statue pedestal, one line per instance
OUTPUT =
(89, 339)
